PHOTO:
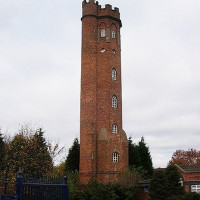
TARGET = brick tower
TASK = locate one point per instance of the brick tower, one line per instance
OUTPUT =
(103, 143)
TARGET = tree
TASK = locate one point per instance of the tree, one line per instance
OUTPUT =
(158, 186)
(40, 154)
(174, 187)
(140, 157)
(165, 185)
(28, 152)
(134, 154)
(192, 196)
(145, 156)
(73, 158)
(191, 157)
(2, 152)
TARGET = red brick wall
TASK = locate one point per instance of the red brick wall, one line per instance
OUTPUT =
(97, 142)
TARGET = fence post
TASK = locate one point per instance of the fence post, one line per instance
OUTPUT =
(66, 191)
(19, 185)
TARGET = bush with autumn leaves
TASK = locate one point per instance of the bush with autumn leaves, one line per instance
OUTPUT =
(27, 151)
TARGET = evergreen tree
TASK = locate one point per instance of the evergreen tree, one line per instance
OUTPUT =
(146, 161)
(40, 154)
(173, 182)
(2, 152)
(134, 154)
(73, 158)
(158, 186)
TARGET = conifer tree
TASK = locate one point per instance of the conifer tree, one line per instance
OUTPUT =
(40, 154)
(134, 154)
(146, 161)
(72, 161)
(173, 182)
(2, 152)
(158, 186)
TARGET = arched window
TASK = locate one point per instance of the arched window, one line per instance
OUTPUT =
(103, 33)
(114, 74)
(113, 34)
(115, 157)
(114, 128)
(114, 101)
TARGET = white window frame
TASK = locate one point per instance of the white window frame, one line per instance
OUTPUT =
(103, 33)
(114, 128)
(114, 74)
(115, 157)
(113, 34)
(195, 188)
(114, 101)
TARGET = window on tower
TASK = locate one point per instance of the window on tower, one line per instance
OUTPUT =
(103, 33)
(114, 128)
(113, 34)
(115, 157)
(113, 51)
(114, 101)
(114, 74)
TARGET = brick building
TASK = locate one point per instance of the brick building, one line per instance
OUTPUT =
(103, 142)
(190, 178)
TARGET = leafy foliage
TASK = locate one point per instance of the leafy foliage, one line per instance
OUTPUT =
(130, 178)
(98, 191)
(72, 161)
(140, 158)
(28, 152)
(191, 157)
(192, 196)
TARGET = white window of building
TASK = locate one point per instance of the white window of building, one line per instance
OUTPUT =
(103, 33)
(114, 128)
(195, 188)
(115, 157)
(114, 74)
(113, 34)
(114, 101)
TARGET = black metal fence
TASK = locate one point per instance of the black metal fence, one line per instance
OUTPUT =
(35, 189)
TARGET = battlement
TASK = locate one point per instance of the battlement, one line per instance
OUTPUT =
(90, 1)
(92, 7)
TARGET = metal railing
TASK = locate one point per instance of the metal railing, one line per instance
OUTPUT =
(36, 189)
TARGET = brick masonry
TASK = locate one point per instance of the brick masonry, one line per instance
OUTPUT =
(97, 142)
(190, 176)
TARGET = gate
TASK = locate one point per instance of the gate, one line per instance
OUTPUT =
(35, 189)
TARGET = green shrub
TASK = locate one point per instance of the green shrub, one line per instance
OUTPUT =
(192, 196)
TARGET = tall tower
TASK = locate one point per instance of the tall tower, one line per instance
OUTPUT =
(103, 143)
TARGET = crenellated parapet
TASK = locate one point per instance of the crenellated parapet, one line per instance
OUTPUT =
(92, 8)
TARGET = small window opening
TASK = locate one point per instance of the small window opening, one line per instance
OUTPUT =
(103, 50)
(103, 33)
(114, 101)
(113, 34)
(114, 128)
(114, 74)
(113, 51)
(115, 157)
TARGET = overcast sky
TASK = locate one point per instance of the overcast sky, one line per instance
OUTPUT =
(40, 48)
